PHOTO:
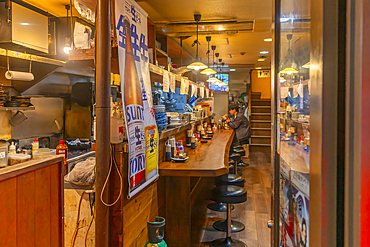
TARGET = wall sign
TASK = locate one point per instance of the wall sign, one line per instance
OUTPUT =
(263, 73)
(141, 128)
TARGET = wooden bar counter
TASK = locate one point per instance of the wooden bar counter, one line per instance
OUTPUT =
(183, 183)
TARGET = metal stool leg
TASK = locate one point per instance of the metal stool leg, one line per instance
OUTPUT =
(219, 207)
(228, 241)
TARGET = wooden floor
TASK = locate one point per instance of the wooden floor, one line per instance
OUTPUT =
(255, 212)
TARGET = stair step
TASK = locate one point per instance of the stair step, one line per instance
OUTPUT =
(260, 148)
(261, 109)
(260, 144)
(261, 102)
(261, 139)
(261, 124)
(261, 131)
(261, 116)
(255, 95)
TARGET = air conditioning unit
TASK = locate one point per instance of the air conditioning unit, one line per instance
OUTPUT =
(22, 25)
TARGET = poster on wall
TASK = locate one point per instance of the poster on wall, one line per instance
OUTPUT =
(141, 128)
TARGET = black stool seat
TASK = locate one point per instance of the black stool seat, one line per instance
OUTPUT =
(238, 146)
(227, 242)
(235, 157)
(229, 194)
(230, 179)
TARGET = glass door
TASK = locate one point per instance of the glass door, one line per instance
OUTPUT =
(292, 122)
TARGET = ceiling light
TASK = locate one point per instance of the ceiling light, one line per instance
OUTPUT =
(232, 69)
(258, 68)
(67, 49)
(306, 66)
(268, 40)
(284, 19)
(208, 71)
(25, 24)
(197, 64)
(289, 71)
(264, 52)
(261, 59)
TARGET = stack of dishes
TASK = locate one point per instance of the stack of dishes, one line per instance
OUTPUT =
(23, 100)
(2, 95)
(160, 117)
(175, 119)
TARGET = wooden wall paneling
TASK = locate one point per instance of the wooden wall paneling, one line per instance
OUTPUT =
(8, 213)
(42, 206)
(178, 221)
(26, 209)
(56, 198)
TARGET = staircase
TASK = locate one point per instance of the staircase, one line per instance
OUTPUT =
(260, 123)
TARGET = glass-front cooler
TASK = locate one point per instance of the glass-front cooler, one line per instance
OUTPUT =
(293, 122)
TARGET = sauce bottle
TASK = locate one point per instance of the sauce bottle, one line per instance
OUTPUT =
(35, 146)
(63, 150)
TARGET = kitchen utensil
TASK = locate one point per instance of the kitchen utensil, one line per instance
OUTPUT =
(18, 118)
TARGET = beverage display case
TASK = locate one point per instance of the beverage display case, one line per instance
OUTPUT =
(293, 122)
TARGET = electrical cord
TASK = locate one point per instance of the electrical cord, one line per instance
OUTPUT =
(74, 236)
(88, 229)
(112, 161)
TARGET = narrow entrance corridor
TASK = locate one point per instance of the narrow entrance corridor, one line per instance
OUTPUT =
(255, 212)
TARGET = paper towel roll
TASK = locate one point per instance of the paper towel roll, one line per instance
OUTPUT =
(19, 76)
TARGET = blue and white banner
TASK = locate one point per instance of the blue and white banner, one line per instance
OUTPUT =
(131, 23)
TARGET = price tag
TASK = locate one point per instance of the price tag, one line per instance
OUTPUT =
(173, 82)
(166, 81)
(183, 86)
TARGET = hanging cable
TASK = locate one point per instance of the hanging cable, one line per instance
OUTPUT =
(112, 161)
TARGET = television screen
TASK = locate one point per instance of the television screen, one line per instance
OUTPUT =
(219, 87)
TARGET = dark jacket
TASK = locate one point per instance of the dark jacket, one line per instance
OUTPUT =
(241, 126)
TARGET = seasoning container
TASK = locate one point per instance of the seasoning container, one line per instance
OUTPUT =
(188, 137)
(192, 141)
(3, 154)
(173, 146)
(62, 149)
(168, 151)
(35, 146)
(12, 148)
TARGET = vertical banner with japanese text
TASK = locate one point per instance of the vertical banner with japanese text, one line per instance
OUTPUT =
(142, 133)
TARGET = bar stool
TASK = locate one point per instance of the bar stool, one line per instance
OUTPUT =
(236, 158)
(226, 179)
(240, 151)
(228, 194)
(229, 179)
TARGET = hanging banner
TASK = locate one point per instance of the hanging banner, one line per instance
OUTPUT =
(207, 92)
(201, 92)
(131, 23)
(187, 83)
(183, 86)
(194, 90)
(284, 92)
(173, 82)
(166, 81)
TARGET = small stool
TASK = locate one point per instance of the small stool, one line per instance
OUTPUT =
(228, 194)
(226, 179)
(242, 153)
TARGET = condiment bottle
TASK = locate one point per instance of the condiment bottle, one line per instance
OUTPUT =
(168, 151)
(35, 146)
(12, 148)
(192, 141)
(62, 149)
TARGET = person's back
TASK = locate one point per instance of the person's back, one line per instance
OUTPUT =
(242, 128)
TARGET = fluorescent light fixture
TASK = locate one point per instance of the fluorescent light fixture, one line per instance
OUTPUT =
(283, 19)
(261, 59)
(268, 40)
(264, 52)
(258, 68)
(25, 24)
(232, 69)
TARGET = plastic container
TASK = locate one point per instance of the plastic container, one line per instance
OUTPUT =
(35, 146)
(12, 148)
(14, 159)
(42, 152)
(117, 131)
(3, 154)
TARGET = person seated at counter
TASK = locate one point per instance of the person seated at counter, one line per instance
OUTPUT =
(240, 124)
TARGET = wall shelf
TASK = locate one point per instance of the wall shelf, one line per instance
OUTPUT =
(26, 108)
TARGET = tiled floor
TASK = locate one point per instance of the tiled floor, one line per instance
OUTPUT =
(255, 212)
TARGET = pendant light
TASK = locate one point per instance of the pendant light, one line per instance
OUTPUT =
(208, 71)
(197, 64)
(289, 70)
(213, 79)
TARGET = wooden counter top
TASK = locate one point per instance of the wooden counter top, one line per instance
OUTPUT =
(207, 160)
